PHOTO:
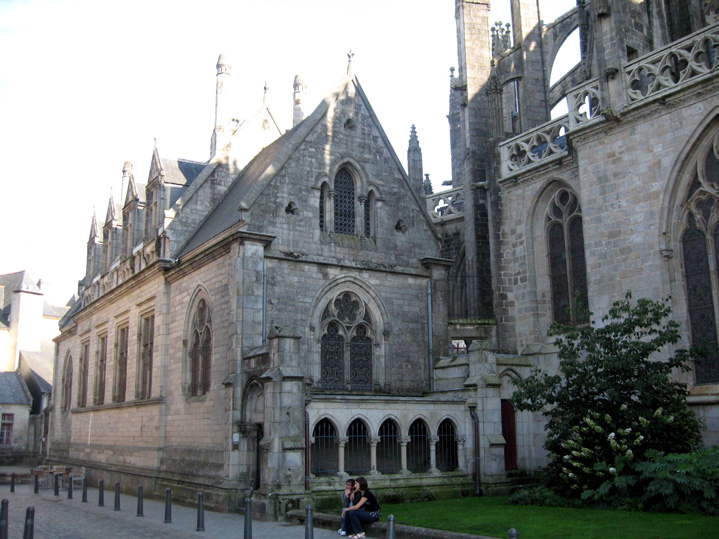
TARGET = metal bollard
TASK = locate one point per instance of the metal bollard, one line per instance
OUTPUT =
(390, 527)
(309, 525)
(4, 519)
(513, 533)
(12, 482)
(168, 505)
(248, 518)
(201, 512)
(117, 496)
(69, 488)
(57, 485)
(84, 490)
(101, 495)
(140, 496)
(29, 532)
(37, 483)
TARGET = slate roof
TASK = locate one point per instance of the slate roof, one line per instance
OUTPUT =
(13, 390)
(13, 282)
(180, 173)
(67, 318)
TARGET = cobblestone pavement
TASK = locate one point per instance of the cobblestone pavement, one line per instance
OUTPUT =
(56, 517)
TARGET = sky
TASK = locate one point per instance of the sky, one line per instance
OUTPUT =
(86, 85)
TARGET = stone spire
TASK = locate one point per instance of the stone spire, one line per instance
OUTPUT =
(221, 133)
(414, 162)
(126, 177)
(298, 113)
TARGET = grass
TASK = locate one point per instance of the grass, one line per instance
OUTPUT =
(493, 517)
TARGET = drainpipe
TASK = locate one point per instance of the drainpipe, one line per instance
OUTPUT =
(307, 450)
(264, 302)
(475, 435)
(430, 358)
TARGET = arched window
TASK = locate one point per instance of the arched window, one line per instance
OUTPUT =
(67, 384)
(388, 448)
(344, 203)
(446, 447)
(324, 193)
(700, 257)
(368, 209)
(200, 349)
(357, 450)
(347, 319)
(567, 267)
(324, 454)
(418, 458)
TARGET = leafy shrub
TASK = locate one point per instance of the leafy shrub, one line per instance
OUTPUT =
(683, 483)
(542, 495)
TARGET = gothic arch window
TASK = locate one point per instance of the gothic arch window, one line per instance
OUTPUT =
(324, 195)
(447, 446)
(418, 454)
(357, 450)
(200, 348)
(344, 202)
(700, 258)
(347, 344)
(67, 384)
(325, 449)
(388, 448)
(565, 250)
(368, 214)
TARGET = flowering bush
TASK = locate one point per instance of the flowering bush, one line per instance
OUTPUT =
(613, 400)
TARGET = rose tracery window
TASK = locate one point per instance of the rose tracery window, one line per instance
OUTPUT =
(700, 257)
(567, 267)
(347, 344)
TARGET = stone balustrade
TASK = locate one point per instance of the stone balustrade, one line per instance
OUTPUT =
(674, 66)
(446, 205)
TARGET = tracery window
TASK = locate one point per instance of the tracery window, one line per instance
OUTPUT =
(567, 266)
(82, 378)
(67, 384)
(200, 349)
(700, 257)
(324, 452)
(344, 203)
(347, 344)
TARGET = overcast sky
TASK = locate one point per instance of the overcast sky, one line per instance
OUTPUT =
(86, 85)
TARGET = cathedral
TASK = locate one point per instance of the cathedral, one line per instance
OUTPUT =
(299, 308)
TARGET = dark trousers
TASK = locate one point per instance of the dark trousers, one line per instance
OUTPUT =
(354, 520)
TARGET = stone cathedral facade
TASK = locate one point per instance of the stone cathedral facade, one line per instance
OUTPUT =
(283, 315)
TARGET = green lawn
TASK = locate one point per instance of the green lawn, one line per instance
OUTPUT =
(493, 517)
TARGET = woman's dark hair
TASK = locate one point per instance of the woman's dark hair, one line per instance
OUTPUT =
(362, 482)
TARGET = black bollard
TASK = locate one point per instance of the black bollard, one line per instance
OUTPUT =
(4, 519)
(29, 532)
(69, 488)
(201, 512)
(309, 525)
(168, 505)
(140, 501)
(37, 483)
(101, 494)
(390, 527)
(513, 533)
(12, 482)
(57, 485)
(117, 496)
(248, 518)
(84, 490)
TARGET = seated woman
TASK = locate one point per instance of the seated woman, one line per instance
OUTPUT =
(366, 509)
(349, 497)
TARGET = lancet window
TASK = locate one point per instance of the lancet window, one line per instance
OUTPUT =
(67, 384)
(700, 257)
(347, 344)
(344, 202)
(200, 352)
(567, 266)
(324, 453)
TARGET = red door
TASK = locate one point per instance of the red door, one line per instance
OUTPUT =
(509, 431)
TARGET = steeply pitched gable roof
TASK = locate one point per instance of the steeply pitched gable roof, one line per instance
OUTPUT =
(13, 389)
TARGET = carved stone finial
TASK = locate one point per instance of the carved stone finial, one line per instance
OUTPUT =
(350, 56)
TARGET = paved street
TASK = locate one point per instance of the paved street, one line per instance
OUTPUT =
(56, 517)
